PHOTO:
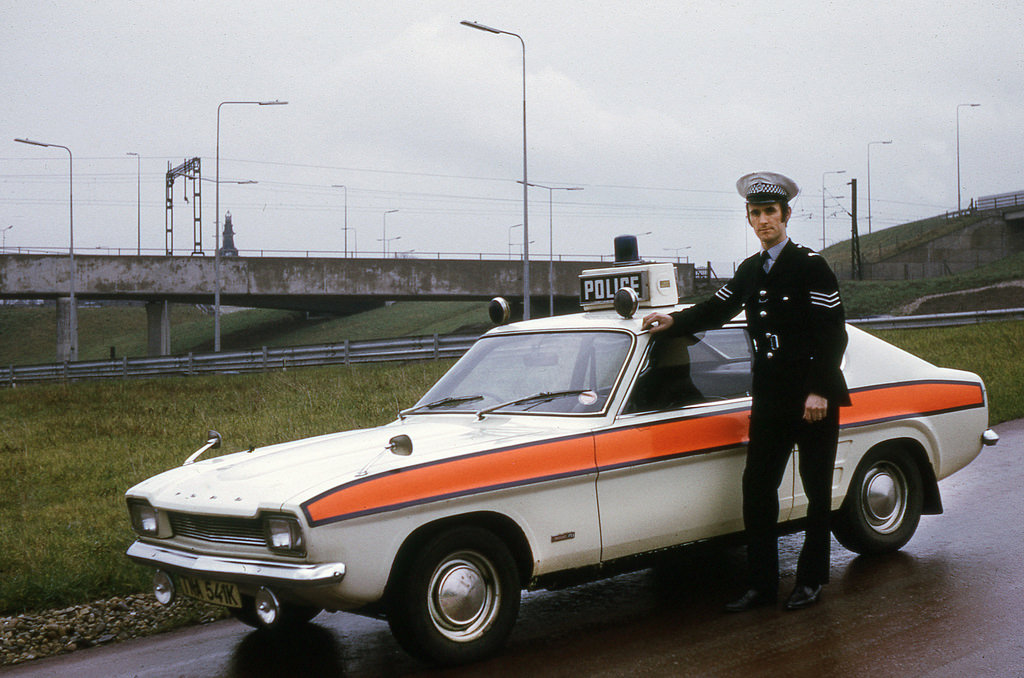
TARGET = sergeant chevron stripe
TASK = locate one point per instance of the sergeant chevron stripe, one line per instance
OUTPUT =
(724, 293)
(825, 300)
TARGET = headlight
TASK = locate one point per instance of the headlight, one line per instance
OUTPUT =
(145, 518)
(285, 534)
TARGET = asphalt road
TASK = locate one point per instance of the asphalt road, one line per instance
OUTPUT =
(950, 604)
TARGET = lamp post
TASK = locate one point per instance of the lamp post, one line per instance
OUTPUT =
(355, 241)
(344, 228)
(510, 238)
(73, 343)
(4, 231)
(869, 179)
(384, 232)
(677, 250)
(823, 203)
(958, 107)
(551, 241)
(138, 203)
(216, 219)
(526, 186)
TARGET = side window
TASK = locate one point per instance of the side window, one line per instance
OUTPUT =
(681, 371)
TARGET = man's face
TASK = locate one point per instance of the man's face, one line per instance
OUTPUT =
(768, 223)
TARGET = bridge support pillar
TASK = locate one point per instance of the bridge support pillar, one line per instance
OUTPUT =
(67, 330)
(158, 317)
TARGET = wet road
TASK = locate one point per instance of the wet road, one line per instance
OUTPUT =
(950, 604)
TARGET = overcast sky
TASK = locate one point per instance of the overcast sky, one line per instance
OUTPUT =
(653, 108)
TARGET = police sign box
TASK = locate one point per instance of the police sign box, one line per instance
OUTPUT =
(654, 284)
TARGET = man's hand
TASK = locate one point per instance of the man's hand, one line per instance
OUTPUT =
(657, 322)
(815, 408)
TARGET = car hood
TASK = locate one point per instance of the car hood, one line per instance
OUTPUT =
(282, 476)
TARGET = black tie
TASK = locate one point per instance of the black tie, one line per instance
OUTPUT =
(765, 258)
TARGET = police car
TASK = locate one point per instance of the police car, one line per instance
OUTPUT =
(555, 450)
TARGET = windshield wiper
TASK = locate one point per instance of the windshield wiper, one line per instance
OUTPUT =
(450, 400)
(541, 397)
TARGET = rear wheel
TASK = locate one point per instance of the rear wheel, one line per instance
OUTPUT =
(883, 505)
(455, 601)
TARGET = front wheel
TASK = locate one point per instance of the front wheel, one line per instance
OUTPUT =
(883, 504)
(457, 599)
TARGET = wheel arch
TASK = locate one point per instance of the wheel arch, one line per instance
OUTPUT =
(932, 500)
(503, 527)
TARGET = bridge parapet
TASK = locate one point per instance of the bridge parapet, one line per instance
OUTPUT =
(313, 284)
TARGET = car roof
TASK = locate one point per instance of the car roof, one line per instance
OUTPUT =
(591, 320)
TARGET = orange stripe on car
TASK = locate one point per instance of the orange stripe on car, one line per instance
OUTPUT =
(452, 478)
(616, 448)
(897, 401)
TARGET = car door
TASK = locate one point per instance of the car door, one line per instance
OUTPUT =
(670, 468)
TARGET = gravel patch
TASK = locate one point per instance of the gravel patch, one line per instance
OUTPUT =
(41, 634)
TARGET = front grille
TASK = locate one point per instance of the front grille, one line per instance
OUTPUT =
(222, 530)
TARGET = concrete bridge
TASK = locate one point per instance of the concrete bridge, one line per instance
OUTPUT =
(326, 285)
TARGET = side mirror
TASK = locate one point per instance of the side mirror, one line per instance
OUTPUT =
(401, 445)
(213, 440)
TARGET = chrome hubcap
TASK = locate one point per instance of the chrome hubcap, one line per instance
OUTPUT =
(885, 497)
(463, 596)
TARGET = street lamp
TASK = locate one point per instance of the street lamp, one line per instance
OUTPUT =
(4, 231)
(526, 186)
(958, 107)
(344, 228)
(138, 159)
(551, 241)
(823, 203)
(510, 238)
(73, 343)
(869, 179)
(384, 232)
(216, 220)
(677, 250)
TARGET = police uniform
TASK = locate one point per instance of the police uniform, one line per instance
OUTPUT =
(796, 322)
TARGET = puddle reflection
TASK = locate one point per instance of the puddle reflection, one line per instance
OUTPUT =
(306, 650)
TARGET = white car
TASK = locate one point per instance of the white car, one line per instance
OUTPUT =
(555, 450)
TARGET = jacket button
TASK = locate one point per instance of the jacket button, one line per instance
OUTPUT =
(769, 355)
(764, 293)
(763, 313)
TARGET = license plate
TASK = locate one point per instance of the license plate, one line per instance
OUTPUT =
(216, 592)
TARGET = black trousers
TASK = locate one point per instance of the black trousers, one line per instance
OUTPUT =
(775, 427)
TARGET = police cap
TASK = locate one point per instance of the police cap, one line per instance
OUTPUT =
(759, 188)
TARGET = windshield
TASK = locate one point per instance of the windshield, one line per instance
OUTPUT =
(543, 373)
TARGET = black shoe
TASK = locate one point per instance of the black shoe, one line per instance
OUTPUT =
(749, 600)
(803, 596)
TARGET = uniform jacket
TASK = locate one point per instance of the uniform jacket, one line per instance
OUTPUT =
(795, 318)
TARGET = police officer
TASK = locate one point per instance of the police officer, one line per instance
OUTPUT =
(795, 318)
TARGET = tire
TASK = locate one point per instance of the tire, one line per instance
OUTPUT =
(291, 615)
(456, 599)
(883, 504)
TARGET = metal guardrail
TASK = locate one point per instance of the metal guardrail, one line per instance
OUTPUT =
(907, 322)
(226, 362)
(384, 350)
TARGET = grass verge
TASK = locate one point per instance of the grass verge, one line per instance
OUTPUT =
(68, 452)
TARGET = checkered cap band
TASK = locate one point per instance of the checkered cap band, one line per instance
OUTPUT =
(762, 188)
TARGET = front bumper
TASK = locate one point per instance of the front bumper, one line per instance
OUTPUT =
(261, 572)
